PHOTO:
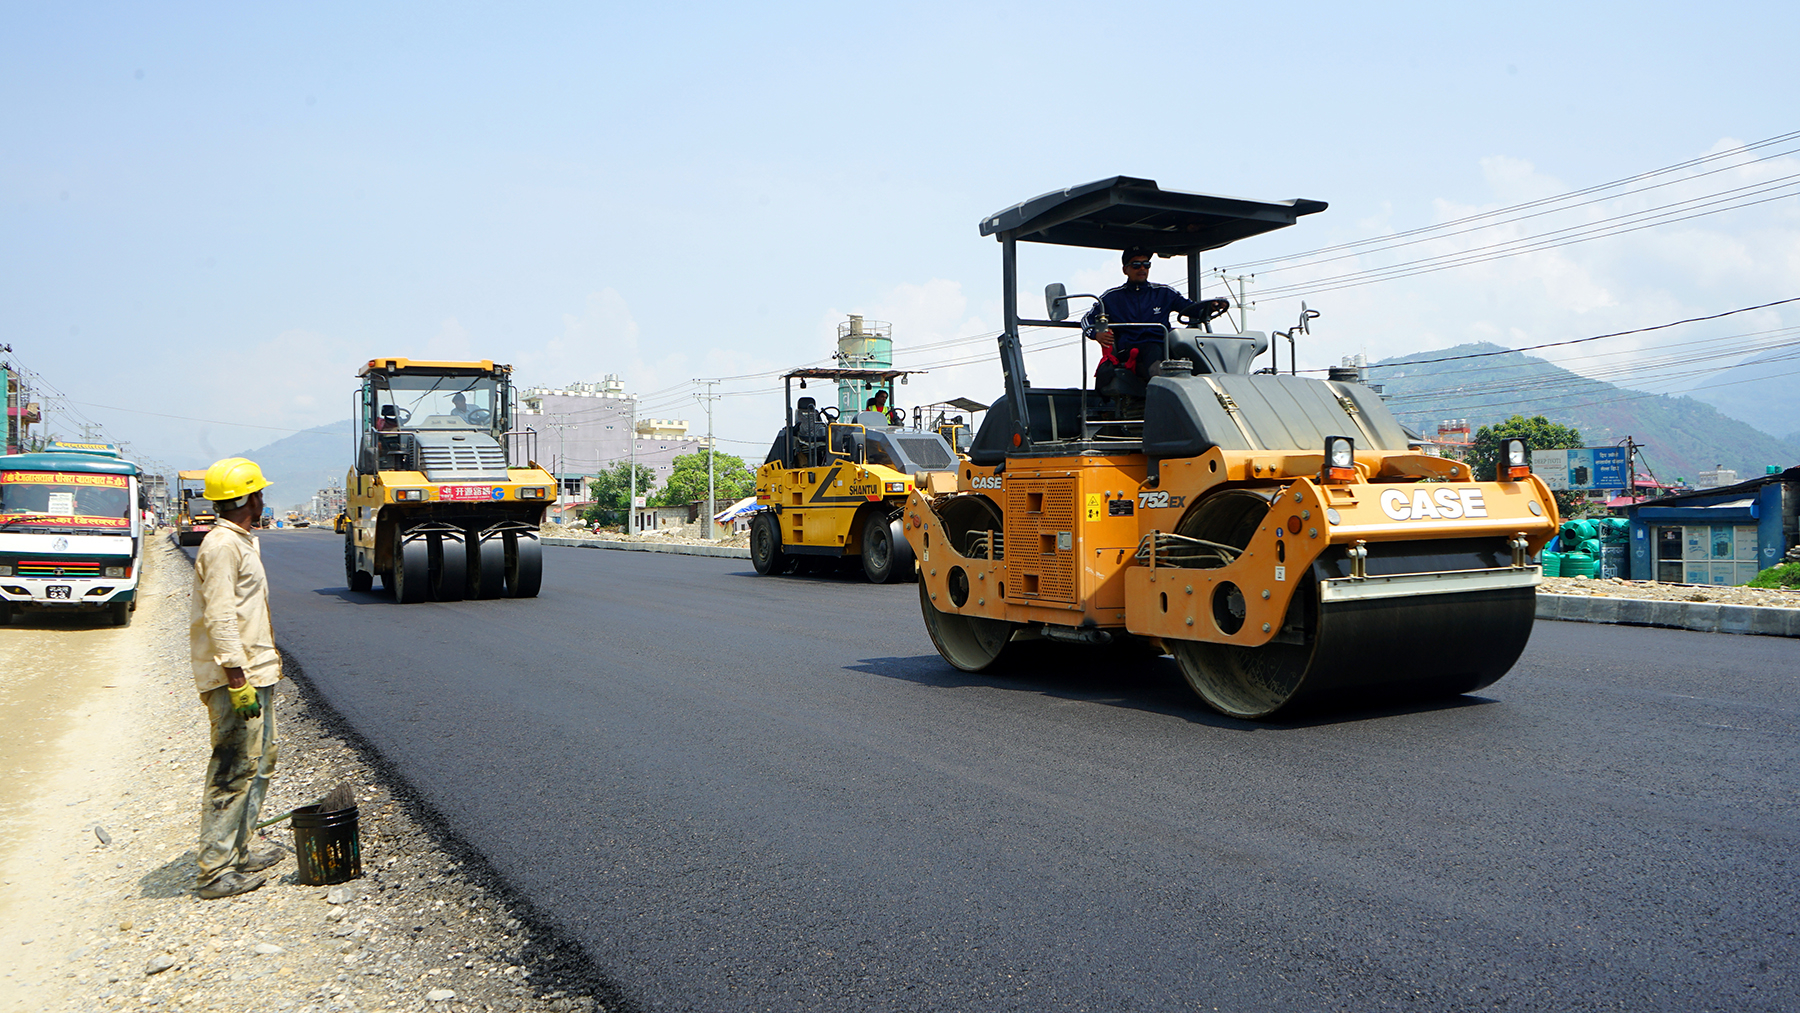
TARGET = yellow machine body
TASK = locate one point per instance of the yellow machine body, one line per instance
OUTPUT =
(434, 502)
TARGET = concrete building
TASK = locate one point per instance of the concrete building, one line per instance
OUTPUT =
(21, 411)
(587, 428)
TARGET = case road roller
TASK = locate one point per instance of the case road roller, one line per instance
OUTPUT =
(435, 504)
(1275, 533)
(834, 489)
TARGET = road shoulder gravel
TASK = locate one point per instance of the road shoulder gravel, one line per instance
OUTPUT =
(98, 910)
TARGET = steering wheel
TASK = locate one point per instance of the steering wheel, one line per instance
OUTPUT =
(829, 413)
(480, 417)
(401, 415)
(896, 417)
(1209, 310)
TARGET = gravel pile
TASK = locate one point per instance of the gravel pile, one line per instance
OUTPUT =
(1613, 587)
(426, 927)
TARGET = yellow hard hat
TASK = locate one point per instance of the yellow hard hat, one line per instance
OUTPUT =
(233, 478)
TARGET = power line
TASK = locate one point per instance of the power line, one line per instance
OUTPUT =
(1541, 202)
(1578, 341)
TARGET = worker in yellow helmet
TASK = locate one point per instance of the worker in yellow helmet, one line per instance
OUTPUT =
(235, 668)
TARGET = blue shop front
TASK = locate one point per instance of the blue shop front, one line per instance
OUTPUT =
(1715, 536)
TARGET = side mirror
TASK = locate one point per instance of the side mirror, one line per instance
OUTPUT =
(1056, 301)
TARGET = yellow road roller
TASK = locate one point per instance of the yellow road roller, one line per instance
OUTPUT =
(1275, 532)
(833, 488)
(443, 501)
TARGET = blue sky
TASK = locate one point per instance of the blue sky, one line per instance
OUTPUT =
(217, 211)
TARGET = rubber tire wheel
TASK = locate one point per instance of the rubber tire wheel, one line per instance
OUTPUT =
(449, 568)
(412, 572)
(887, 556)
(354, 579)
(765, 546)
(487, 568)
(6, 612)
(524, 564)
(120, 612)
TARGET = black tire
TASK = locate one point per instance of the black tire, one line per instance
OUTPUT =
(487, 567)
(6, 612)
(971, 643)
(887, 557)
(524, 564)
(449, 568)
(765, 546)
(412, 572)
(354, 579)
(120, 612)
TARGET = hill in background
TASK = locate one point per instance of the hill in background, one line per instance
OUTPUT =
(1681, 435)
(300, 465)
(1763, 391)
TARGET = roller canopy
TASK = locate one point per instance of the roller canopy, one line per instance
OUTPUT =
(1123, 211)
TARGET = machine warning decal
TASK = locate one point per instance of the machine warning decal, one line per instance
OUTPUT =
(1423, 504)
(1093, 505)
(1118, 508)
(1157, 500)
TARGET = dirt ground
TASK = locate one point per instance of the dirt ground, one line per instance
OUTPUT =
(104, 749)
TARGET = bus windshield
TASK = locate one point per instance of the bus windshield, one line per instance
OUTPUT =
(64, 500)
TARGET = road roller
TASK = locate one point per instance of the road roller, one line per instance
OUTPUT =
(832, 488)
(443, 501)
(1275, 532)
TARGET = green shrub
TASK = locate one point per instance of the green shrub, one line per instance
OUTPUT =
(1783, 575)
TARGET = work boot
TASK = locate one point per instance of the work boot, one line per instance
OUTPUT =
(257, 861)
(229, 885)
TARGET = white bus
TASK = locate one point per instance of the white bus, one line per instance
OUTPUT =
(71, 533)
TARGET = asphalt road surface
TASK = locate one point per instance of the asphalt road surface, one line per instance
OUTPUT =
(749, 793)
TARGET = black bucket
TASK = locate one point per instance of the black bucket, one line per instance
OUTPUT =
(326, 847)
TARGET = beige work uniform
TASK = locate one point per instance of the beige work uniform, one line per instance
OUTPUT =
(229, 628)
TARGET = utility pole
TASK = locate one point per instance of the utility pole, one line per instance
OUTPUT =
(561, 461)
(1631, 468)
(1242, 306)
(712, 507)
(631, 434)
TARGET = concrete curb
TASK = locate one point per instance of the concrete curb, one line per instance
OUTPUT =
(680, 549)
(1705, 617)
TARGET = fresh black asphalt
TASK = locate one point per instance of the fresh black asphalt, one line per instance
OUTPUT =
(748, 793)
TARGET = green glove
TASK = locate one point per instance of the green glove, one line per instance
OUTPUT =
(243, 700)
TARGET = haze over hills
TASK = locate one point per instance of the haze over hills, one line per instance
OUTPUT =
(1763, 391)
(1681, 435)
(299, 465)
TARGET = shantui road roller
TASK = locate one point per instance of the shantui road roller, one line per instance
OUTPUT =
(832, 489)
(1274, 532)
(435, 503)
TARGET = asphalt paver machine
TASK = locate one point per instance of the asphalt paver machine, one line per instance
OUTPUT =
(1274, 532)
(833, 488)
(443, 501)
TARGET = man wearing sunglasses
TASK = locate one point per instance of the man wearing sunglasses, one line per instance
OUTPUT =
(1138, 301)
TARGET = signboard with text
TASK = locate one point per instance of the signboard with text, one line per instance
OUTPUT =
(1581, 468)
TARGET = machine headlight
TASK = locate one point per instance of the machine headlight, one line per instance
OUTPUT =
(1516, 466)
(1340, 459)
(896, 487)
(113, 571)
(407, 495)
(531, 493)
(6, 570)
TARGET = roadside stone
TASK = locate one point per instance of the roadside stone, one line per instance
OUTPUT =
(440, 995)
(269, 949)
(338, 895)
(158, 964)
